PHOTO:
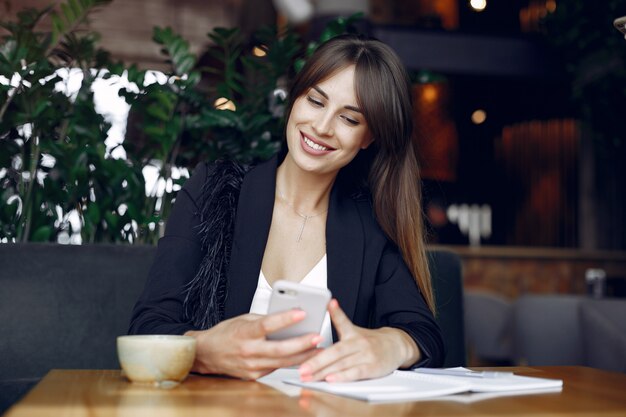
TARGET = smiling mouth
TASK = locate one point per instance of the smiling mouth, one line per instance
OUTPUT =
(314, 145)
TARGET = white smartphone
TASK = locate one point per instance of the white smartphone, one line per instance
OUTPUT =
(288, 295)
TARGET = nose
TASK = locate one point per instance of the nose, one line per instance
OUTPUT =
(323, 124)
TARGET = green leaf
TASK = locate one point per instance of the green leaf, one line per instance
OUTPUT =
(158, 112)
(133, 211)
(220, 118)
(76, 8)
(194, 78)
(153, 131)
(112, 219)
(166, 99)
(41, 107)
(70, 17)
(177, 49)
(93, 213)
(58, 28)
(298, 65)
(185, 65)
(42, 234)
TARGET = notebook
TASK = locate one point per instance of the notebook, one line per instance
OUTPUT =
(410, 385)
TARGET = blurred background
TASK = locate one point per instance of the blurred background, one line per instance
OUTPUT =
(107, 106)
(518, 103)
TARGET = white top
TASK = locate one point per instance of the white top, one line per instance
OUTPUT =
(317, 277)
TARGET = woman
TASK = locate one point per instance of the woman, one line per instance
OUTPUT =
(307, 215)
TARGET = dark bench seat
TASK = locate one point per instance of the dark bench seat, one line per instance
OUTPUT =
(63, 307)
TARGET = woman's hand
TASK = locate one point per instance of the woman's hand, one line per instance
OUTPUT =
(360, 353)
(238, 346)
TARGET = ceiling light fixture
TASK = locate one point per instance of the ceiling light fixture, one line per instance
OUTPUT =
(478, 5)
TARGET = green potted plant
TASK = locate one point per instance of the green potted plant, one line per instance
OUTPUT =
(52, 145)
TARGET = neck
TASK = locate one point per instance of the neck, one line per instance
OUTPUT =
(307, 193)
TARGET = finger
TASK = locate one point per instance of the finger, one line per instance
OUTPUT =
(283, 362)
(274, 322)
(253, 368)
(342, 323)
(351, 373)
(291, 346)
(329, 356)
(337, 367)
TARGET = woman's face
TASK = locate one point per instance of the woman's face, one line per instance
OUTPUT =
(326, 129)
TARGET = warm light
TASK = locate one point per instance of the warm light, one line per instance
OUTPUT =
(479, 116)
(478, 5)
(551, 6)
(223, 103)
(259, 51)
(429, 93)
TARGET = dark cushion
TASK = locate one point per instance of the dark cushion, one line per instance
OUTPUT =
(547, 331)
(603, 326)
(12, 390)
(63, 306)
(488, 327)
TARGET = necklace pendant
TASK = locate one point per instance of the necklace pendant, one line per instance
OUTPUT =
(305, 218)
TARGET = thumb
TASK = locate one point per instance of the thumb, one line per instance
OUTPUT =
(342, 323)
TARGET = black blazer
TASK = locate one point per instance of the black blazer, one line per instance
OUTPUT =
(365, 270)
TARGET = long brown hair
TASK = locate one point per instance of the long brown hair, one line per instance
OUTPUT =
(383, 91)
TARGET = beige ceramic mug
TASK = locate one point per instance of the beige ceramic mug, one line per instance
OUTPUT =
(156, 359)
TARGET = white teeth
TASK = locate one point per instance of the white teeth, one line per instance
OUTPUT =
(314, 145)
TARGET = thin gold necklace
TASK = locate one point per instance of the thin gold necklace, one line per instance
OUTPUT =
(305, 218)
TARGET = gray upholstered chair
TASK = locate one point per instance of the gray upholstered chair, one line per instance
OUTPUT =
(571, 330)
(447, 277)
(547, 330)
(488, 328)
(603, 328)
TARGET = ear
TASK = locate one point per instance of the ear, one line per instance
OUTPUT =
(367, 141)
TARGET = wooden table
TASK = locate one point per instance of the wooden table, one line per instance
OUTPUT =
(586, 392)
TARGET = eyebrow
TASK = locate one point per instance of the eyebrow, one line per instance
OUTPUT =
(348, 107)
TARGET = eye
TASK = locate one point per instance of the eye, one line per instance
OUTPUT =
(351, 121)
(314, 102)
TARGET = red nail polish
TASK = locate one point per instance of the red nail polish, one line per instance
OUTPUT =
(298, 315)
(304, 370)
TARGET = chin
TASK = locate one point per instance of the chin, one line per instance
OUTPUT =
(306, 164)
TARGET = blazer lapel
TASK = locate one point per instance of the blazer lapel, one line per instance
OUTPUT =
(252, 226)
(344, 246)
(344, 243)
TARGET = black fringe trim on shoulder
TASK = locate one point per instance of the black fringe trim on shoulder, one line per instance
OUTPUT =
(206, 292)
